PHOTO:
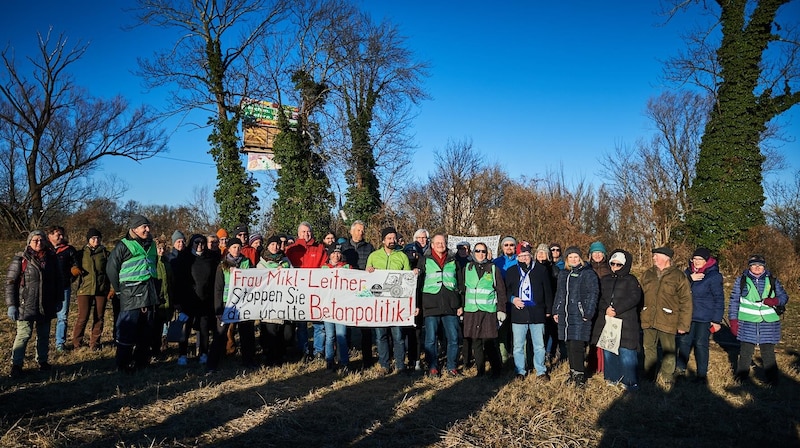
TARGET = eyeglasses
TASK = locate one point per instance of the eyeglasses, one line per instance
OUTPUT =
(509, 245)
(479, 251)
(614, 263)
(36, 240)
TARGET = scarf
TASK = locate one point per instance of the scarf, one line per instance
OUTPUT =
(702, 269)
(525, 291)
(233, 261)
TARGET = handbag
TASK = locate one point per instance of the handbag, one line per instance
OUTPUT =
(175, 331)
(611, 335)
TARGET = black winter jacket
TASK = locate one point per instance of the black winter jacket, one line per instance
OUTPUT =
(621, 290)
(541, 290)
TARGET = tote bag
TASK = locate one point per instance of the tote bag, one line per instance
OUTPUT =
(611, 334)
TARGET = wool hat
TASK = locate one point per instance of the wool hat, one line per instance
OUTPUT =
(232, 241)
(597, 246)
(222, 233)
(387, 230)
(241, 228)
(178, 235)
(572, 250)
(92, 232)
(664, 251)
(334, 248)
(273, 239)
(509, 239)
(618, 257)
(34, 233)
(756, 259)
(463, 244)
(543, 248)
(524, 248)
(254, 237)
(702, 252)
(555, 246)
(138, 220)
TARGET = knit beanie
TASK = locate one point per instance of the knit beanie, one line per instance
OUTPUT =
(232, 241)
(508, 239)
(597, 246)
(222, 233)
(572, 250)
(254, 237)
(702, 252)
(138, 220)
(387, 230)
(92, 232)
(178, 235)
(34, 233)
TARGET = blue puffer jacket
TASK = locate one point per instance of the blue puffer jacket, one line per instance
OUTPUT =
(708, 297)
(576, 302)
(756, 332)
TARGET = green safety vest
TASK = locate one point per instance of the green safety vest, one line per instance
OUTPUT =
(480, 294)
(226, 274)
(436, 277)
(141, 266)
(751, 306)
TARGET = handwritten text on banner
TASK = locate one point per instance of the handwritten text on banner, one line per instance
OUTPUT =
(348, 296)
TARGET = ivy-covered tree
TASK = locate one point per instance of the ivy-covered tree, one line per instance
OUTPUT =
(753, 76)
(213, 77)
(303, 187)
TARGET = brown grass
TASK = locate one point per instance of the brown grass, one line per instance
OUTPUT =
(84, 402)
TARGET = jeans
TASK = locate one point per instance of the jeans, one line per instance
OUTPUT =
(61, 319)
(382, 336)
(319, 337)
(520, 336)
(302, 337)
(697, 336)
(24, 332)
(336, 333)
(652, 338)
(621, 368)
(450, 325)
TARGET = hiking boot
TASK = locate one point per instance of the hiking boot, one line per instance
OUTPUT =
(454, 373)
(16, 371)
(182, 361)
(44, 366)
(433, 372)
(203, 358)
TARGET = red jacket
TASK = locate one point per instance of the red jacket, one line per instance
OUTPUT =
(307, 254)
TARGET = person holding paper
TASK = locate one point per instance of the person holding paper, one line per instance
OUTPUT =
(620, 296)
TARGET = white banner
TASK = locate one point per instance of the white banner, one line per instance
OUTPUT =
(491, 241)
(348, 296)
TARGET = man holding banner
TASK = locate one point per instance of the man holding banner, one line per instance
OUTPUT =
(386, 257)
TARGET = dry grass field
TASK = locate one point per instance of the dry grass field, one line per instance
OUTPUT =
(84, 402)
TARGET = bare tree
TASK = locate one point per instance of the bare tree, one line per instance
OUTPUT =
(783, 209)
(651, 180)
(53, 133)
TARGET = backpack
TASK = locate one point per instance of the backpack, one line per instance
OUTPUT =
(779, 309)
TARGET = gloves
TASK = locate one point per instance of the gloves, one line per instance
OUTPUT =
(182, 317)
(13, 313)
(76, 272)
(772, 301)
(735, 327)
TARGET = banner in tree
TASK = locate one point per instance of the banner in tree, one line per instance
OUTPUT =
(491, 241)
(349, 296)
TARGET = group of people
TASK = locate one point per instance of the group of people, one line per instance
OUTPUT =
(523, 307)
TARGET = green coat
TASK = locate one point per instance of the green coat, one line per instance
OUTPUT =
(93, 280)
(667, 300)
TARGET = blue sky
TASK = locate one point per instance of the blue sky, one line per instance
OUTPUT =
(538, 87)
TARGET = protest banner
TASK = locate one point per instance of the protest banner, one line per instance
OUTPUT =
(348, 296)
(492, 242)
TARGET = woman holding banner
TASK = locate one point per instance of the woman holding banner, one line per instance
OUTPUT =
(232, 259)
(336, 333)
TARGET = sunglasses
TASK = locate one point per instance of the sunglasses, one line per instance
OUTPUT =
(479, 251)
(509, 245)
(555, 249)
(616, 264)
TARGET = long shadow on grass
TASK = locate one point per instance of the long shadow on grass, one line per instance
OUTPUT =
(692, 415)
(189, 419)
(72, 392)
(391, 411)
